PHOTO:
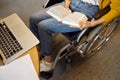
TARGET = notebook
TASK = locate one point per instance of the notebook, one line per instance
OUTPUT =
(15, 38)
(19, 69)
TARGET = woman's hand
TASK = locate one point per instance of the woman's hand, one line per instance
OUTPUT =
(67, 5)
(85, 24)
(68, 9)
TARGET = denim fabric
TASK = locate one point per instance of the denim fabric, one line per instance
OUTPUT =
(87, 8)
(42, 25)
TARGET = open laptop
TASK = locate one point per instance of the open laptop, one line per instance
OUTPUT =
(15, 38)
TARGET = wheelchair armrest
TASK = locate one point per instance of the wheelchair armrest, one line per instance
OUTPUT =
(51, 2)
(102, 12)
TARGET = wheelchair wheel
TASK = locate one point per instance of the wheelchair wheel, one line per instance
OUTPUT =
(103, 35)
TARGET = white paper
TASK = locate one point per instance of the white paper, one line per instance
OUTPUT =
(20, 69)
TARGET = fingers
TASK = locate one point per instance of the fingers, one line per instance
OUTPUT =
(82, 25)
(68, 9)
(85, 24)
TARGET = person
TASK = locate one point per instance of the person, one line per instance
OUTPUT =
(43, 25)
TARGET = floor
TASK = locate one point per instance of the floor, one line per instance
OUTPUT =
(105, 65)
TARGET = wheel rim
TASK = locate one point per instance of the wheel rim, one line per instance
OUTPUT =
(97, 42)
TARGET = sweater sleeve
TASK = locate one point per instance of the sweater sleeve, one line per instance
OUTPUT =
(114, 12)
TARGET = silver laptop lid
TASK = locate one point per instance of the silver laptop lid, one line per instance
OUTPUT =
(21, 33)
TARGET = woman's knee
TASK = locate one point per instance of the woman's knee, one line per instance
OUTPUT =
(44, 26)
(33, 18)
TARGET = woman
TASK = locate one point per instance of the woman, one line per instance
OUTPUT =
(43, 25)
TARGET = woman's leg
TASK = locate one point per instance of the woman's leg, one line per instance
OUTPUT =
(45, 29)
(35, 19)
(38, 17)
(87, 8)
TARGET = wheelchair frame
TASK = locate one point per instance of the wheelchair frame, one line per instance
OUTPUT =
(87, 47)
(94, 41)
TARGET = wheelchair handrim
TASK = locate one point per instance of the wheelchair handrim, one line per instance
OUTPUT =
(107, 33)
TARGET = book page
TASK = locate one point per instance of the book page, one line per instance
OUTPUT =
(74, 18)
(58, 12)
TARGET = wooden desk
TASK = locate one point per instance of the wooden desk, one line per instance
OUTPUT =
(0, 18)
(35, 58)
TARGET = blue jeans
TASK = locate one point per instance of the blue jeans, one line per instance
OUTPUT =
(43, 26)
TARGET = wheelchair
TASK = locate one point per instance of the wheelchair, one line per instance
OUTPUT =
(86, 42)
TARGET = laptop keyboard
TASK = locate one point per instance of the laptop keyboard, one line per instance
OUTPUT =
(8, 43)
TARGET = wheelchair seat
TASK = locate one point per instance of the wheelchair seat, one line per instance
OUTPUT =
(51, 2)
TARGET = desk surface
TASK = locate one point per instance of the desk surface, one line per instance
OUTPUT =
(35, 58)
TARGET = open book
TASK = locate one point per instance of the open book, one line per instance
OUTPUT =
(63, 15)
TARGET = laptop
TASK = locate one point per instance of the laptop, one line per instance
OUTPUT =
(15, 38)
